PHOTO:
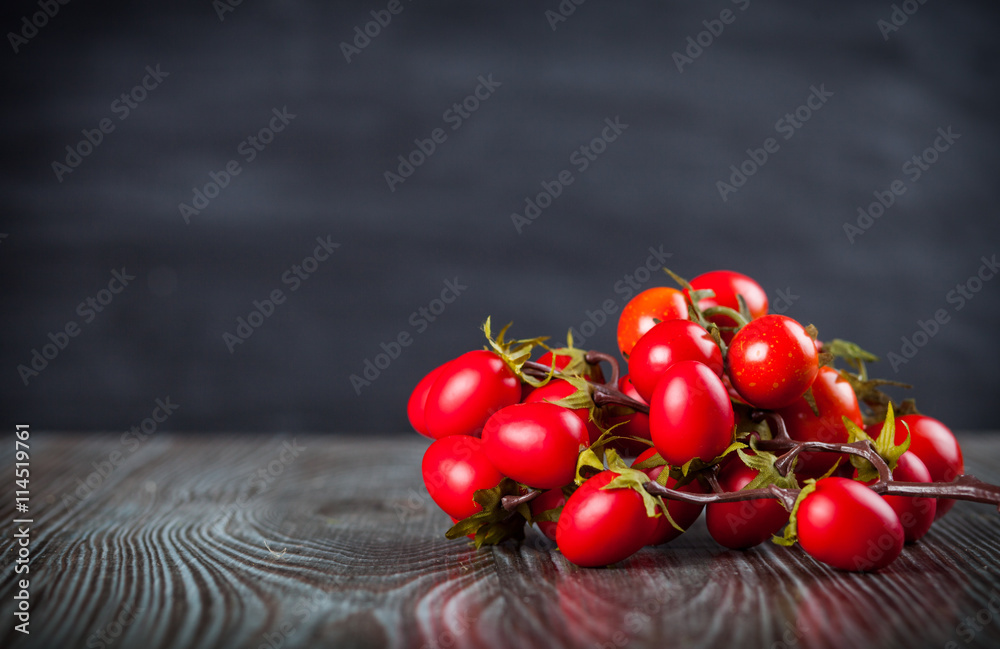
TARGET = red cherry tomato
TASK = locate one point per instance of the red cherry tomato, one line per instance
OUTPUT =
(636, 424)
(937, 448)
(742, 525)
(454, 468)
(727, 284)
(467, 391)
(653, 305)
(418, 401)
(834, 399)
(667, 343)
(547, 500)
(847, 525)
(557, 389)
(772, 361)
(915, 514)
(536, 444)
(684, 514)
(690, 414)
(598, 527)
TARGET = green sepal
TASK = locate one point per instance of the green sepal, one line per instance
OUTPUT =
(885, 445)
(791, 534)
(852, 354)
(587, 460)
(515, 353)
(493, 524)
(763, 463)
(629, 478)
(811, 400)
(650, 462)
(548, 516)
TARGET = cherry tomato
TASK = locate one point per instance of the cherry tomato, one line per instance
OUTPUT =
(557, 389)
(684, 514)
(536, 444)
(727, 284)
(742, 525)
(418, 401)
(847, 525)
(667, 343)
(690, 414)
(915, 514)
(653, 305)
(454, 468)
(598, 527)
(834, 399)
(772, 361)
(467, 391)
(547, 500)
(937, 448)
(636, 423)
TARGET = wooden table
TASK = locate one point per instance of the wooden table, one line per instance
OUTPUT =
(331, 541)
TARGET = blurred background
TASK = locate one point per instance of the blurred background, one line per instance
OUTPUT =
(234, 207)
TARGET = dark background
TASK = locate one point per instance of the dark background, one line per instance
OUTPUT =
(323, 175)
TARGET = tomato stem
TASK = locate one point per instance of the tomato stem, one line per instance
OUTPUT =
(510, 503)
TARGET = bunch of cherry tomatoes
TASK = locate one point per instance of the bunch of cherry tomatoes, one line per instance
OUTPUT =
(715, 384)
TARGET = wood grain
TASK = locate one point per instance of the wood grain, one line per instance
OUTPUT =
(331, 541)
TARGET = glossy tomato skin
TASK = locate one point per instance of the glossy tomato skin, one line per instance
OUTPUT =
(418, 401)
(547, 500)
(535, 443)
(557, 389)
(667, 343)
(684, 514)
(916, 515)
(935, 445)
(845, 524)
(834, 399)
(727, 284)
(653, 305)
(598, 527)
(690, 414)
(454, 468)
(636, 424)
(772, 361)
(742, 525)
(467, 391)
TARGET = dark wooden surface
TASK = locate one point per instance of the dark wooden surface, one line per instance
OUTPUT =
(212, 541)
